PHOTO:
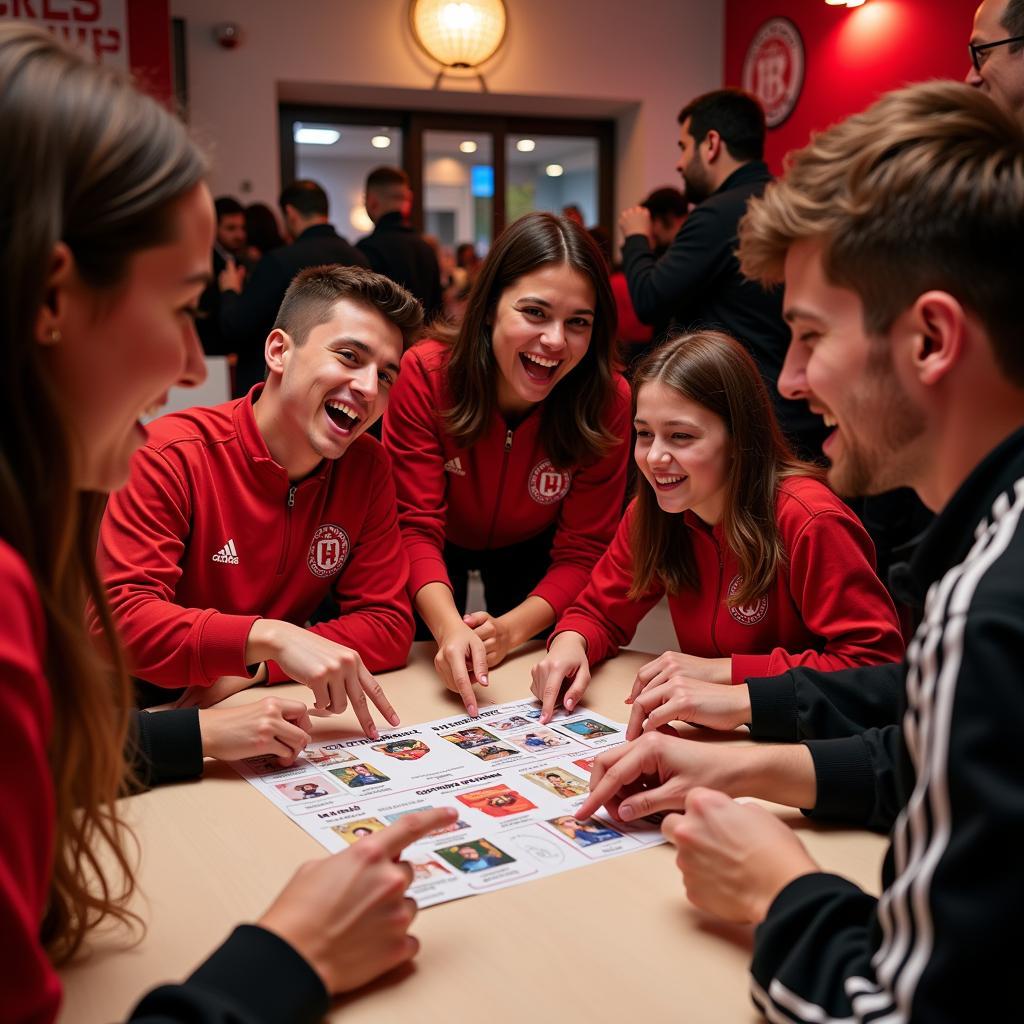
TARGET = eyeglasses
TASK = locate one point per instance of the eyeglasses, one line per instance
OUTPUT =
(979, 51)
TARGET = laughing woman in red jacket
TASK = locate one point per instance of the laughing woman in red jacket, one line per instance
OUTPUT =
(764, 567)
(509, 440)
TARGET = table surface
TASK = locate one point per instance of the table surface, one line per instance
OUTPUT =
(596, 944)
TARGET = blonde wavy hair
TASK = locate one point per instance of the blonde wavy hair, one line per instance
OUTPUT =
(923, 190)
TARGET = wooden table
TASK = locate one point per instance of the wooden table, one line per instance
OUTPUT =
(616, 940)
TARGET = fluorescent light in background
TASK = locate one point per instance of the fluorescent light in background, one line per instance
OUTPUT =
(469, 146)
(526, 145)
(316, 136)
(380, 141)
(554, 170)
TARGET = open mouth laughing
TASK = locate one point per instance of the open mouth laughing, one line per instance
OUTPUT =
(342, 415)
(539, 368)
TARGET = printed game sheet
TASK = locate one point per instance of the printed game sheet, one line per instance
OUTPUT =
(514, 782)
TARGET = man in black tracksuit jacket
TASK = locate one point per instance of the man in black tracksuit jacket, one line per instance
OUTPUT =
(893, 232)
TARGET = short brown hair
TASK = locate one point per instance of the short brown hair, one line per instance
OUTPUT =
(716, 371)
(315, 291)
(384, 179)
(924, 189)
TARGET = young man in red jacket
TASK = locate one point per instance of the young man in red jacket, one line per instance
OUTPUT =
(238, 520)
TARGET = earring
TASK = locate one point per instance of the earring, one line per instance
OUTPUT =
(54, 336)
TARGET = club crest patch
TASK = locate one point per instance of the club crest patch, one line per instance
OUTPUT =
(747, 614)
(547, 484)
(328, 551)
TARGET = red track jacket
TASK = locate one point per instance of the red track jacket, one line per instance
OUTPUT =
(827, 608)
(29, 987)
(210, 535)
(501, 491)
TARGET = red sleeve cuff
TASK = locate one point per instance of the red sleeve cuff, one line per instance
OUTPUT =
(426, 567)
(746, 665)
(222, 643)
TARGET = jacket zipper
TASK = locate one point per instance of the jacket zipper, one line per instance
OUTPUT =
(718, 598)
(287, 528)
(501, 486)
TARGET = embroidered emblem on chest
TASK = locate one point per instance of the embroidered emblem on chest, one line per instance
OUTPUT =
(747, 614)
(328, 551)
(547, 484)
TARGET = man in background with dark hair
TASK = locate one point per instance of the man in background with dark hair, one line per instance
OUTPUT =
(396, 249)
(997, 54)
(228, 247)
(697, 282)
(247, 318)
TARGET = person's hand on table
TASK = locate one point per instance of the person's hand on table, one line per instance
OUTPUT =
(347, 915)
(269, 726)
(461, 659)
(566, 659)
(335, 673)
(655, 773)
(735, 857)
(636, 221)
(681, 699)
(672, 664)
(494, 633)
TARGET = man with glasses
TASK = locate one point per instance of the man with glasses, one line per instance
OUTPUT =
(997, 53)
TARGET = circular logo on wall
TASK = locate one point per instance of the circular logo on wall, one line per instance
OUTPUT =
(547, 484)
(328, 551)
(773, 69)
(747, 614)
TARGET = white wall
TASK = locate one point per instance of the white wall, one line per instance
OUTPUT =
(635, 60)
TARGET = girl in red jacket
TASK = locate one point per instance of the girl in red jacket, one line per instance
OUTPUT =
(764, 567)
(104, 252)
(509, 440)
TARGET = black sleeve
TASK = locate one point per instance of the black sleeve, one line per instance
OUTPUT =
(856, 778)
(940, 947)
(366, 249)
(662, 287)
(245, 316)
(165, 746)
(805, 704)
(254, 978)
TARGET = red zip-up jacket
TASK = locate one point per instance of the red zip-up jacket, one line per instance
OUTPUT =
(827, 609)
(209, 535)
(254, 975)
(501, 491)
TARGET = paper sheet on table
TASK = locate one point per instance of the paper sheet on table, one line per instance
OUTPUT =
(514, 782)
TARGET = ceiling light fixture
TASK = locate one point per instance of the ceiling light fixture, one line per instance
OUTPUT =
(469, 146)
(554, 170)
(526, 145)
(458, 34)
(316, 136)
(380, 141)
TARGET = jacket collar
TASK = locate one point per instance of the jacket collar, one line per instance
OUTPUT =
(753, 170)
(318, 231)
(391, 222)
(255, 447)
(951, 536)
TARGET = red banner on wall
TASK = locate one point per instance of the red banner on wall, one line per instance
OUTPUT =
(96, 26)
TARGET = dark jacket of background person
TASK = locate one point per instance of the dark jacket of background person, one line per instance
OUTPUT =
(697, 283)
(398, 251)
(247, 318)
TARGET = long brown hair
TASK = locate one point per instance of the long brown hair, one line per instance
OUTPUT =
(573, 415)
(89, 161)
(716, 372)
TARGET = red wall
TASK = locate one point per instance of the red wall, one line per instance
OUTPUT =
(149, 45)
(852, 55)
